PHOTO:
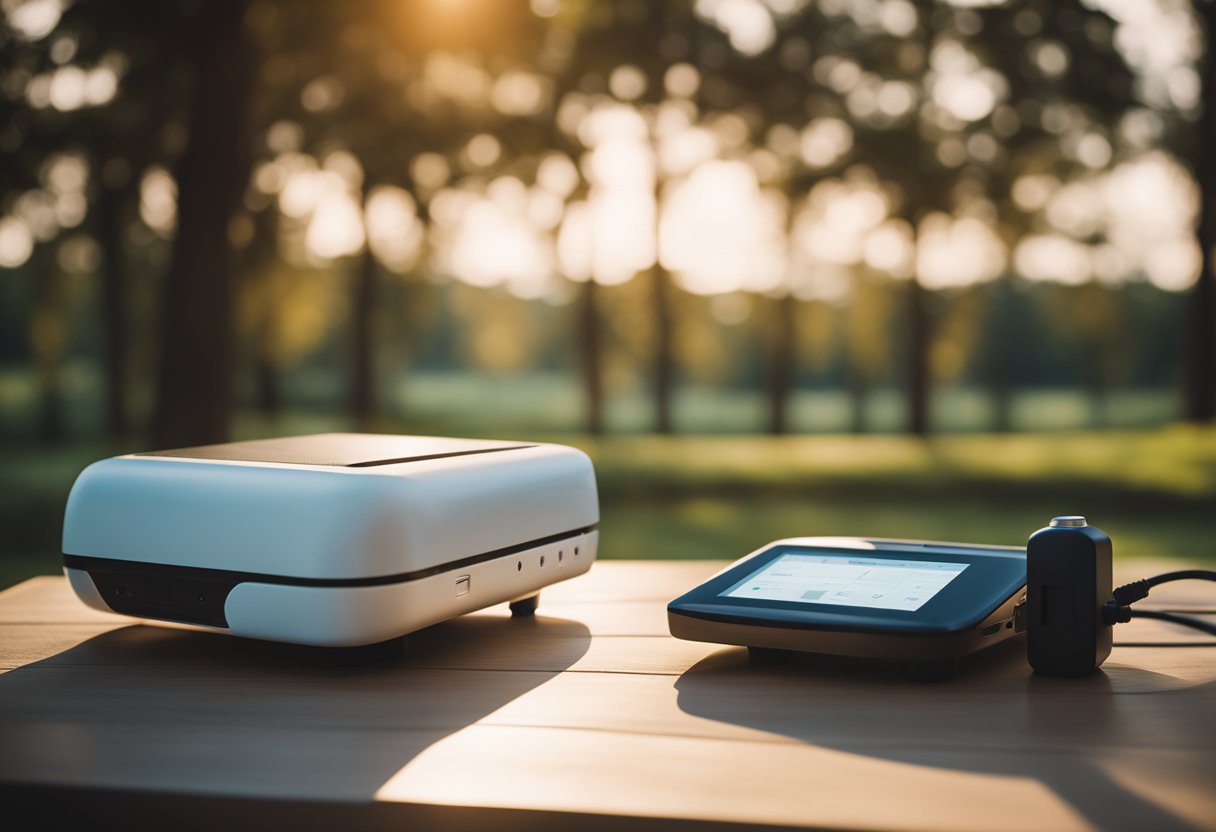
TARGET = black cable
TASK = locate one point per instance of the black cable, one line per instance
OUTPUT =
(1133, 592)
(1184, 620)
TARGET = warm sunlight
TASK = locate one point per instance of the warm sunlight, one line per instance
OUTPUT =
(720, 233)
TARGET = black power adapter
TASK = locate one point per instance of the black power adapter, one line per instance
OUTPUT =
(1068, 583)
(1071, 606)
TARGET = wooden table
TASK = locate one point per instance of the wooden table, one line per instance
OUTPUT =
(590, 716)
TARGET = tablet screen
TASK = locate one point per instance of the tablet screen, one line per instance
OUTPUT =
(848, 580)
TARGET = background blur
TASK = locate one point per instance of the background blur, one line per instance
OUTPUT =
(882, 267)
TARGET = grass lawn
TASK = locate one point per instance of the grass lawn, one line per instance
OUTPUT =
(1153, 491)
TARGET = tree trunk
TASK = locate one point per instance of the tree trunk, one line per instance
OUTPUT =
(920, 337)
(1200, 341)
(267, 388)
(998, 339)
(363, 370)
(591, 353)
(194, 395)
(664, 359)
(48, 338)
(1002, 399)
(785, 342)
(859, 397)
(111, 223)
(260, 263)
(1096, 382)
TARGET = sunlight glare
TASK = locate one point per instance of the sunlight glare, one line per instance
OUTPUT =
(519, 93)
(68, 88)
(682, 80)
(891, 248)
(485, 240)
(952, 253)
(961, 85)
(100, 86)
(824, 141)
(34, 19)
(458, 79)
(1152, 204)
(557, 174)
(394, 230)
(1075, 209)
(158, 201)
(747, 23)
(16, 242)
(1053, 257)
(720, 233)
(336, 227)
(482, 150)
(627, 82)
(832, 226)
(430, 171)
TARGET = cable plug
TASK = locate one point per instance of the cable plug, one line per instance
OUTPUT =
(1133, 592)
(1116, 613)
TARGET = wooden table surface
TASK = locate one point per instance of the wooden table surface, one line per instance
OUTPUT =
(591, 716)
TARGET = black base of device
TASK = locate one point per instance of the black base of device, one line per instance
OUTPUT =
(935, 670)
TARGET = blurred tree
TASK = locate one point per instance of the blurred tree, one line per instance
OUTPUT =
(659, 39)
(122, 144)
(114, 204)
(1065, 62)
(49, 340)
(999, 347)
(1200, 355)
(605, 36)
(625, 51)
(574, 58)
(29, 144)
(590, 350)
(782, 362)
(950, 106)
(258, 265)
(869, 342)
(106, 116)
(1095, 317)
(374, 122)
(1044, 76)
(291, 127)
(194, 394)
(777, 94)
(371, 54)
(902, 147)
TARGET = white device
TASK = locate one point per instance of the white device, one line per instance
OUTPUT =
(333, 539)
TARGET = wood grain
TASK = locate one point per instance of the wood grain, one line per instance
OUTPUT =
(590, 715)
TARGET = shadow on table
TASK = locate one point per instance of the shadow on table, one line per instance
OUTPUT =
(992, 718)
(165, 710)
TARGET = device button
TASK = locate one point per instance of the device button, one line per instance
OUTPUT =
(1068, 521)
(462, 585)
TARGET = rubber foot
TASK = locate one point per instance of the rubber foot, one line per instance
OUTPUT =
(525, 607)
